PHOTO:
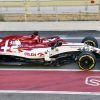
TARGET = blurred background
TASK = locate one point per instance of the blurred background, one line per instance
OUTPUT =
(49, 10)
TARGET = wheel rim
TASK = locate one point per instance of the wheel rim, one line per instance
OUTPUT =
(90, 42)
(86, 62)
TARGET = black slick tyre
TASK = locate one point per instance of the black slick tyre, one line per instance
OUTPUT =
(90, 41)
(86, 61)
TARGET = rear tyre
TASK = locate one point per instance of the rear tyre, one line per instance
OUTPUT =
(90, 41)
(86, 61)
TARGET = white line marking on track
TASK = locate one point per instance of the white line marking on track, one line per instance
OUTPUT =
(48, 92)
(75, 37)
(16, 69)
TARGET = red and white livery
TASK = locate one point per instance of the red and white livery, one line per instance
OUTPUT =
(49, 50)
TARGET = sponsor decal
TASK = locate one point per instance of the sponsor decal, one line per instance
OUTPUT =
(29, 54)
(33, 54)
(5, 47)
(92, 80)
(14, 45)
(40, 54)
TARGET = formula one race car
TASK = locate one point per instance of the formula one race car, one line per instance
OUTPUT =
(49, 50)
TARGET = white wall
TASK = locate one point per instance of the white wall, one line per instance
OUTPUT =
(50, 26)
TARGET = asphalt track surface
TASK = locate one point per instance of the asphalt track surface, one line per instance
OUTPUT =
(63, 84)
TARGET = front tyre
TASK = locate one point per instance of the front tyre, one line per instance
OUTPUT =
(86, 61)
(90, 41)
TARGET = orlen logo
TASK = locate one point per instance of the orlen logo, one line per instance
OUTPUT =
(92, 80)
(29, 54)
(33, 54)
(40, 54)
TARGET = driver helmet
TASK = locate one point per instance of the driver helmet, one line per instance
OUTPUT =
(35, 33)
